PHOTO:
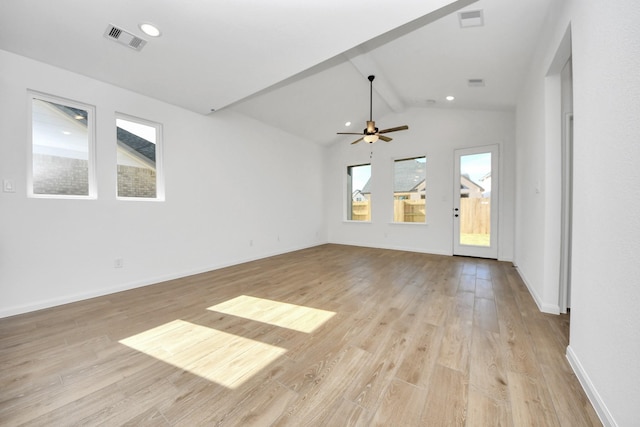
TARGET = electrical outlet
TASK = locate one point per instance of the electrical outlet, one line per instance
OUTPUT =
(118, 263)
(250, 242)
(8, 186)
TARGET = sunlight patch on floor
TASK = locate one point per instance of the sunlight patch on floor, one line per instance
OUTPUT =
(223, 358)
(282, 314)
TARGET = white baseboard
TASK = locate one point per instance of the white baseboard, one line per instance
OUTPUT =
(67, 299)
(408, 249)
(392, 248)
(417, 250)
(542, 306)
(592, 394)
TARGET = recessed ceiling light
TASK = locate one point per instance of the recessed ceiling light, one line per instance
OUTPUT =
(450, 98)
(348, 124)
(150, 29)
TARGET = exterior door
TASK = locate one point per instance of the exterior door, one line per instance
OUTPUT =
(475, 210)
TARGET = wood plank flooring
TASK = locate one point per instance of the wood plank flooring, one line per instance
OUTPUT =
(327, 336)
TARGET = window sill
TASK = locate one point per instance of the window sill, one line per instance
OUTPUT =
(140, 199)
(412, 224)
(61, 197)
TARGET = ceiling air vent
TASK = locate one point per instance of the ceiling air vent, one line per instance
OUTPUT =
(476, 82)
(124, 37)
(472, 18)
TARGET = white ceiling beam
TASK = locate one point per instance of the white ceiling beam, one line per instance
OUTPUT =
(366, 66)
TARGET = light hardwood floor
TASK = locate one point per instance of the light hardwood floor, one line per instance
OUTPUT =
(327, 336)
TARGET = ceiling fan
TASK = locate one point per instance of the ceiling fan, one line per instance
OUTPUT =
(371, 133)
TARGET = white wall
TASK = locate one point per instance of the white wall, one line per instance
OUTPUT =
(228, 179)
(605, 319)
(538, 193)
(434, 132)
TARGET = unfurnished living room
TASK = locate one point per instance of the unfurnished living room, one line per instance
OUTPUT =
(390, 213)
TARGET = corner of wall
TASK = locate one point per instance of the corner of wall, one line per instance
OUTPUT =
(542, 306)
(592, 394)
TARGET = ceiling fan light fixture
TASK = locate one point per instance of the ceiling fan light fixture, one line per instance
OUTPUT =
(370, 138)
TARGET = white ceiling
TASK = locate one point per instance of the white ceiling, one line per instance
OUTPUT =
(298, 65)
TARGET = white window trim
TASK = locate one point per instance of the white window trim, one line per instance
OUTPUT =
(347, 196)
(160, 188)
(393, 177)
(91, 154)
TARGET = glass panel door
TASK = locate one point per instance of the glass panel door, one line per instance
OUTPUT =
(475, 206)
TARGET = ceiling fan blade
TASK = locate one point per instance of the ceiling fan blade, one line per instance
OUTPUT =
(403, 127)
(371, 133)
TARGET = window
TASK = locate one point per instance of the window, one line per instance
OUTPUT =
(359, 193)
(62, 148)
(409, 183)
(138, 154)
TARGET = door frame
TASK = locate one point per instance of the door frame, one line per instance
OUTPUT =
(566, 214)
(470, 250)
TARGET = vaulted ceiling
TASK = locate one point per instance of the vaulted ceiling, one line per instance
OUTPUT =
(297, 65)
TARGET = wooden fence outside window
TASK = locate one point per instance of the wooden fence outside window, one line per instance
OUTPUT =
(475, 213)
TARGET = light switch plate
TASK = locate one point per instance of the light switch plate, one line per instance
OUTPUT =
(8, 186)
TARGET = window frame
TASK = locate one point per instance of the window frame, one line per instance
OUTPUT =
(393, 190)
(348, 188)
(160, 187)
(33, 95)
